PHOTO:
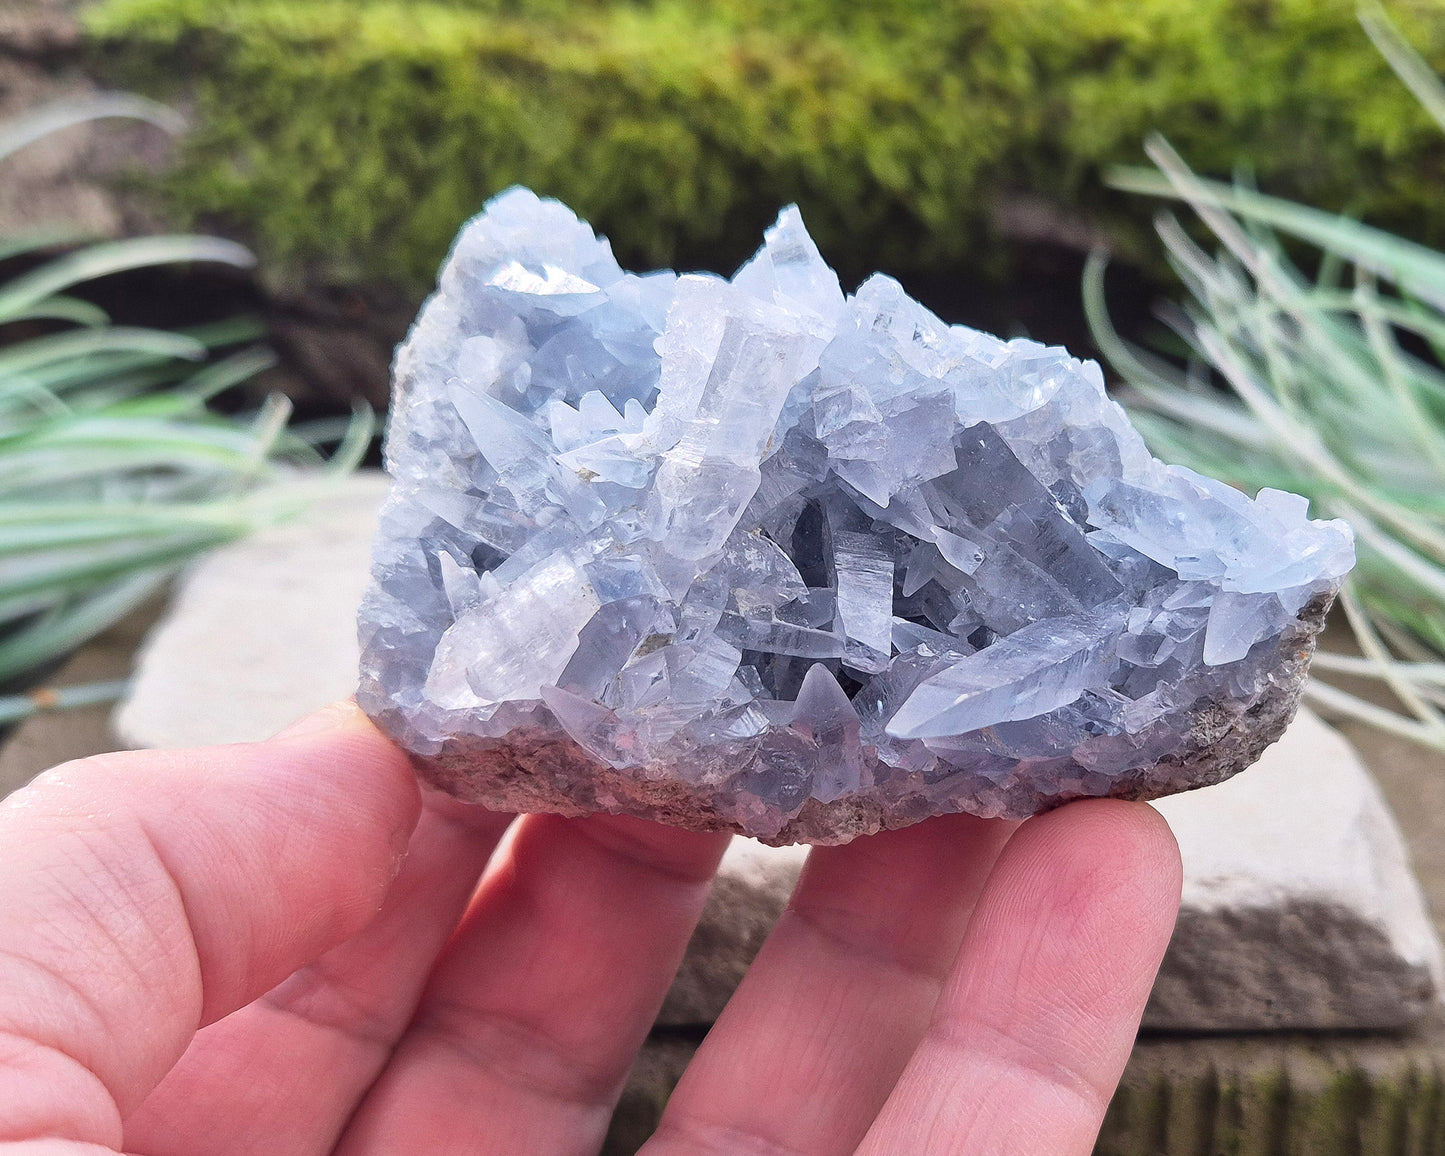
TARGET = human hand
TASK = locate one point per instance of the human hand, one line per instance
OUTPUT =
(282, 948)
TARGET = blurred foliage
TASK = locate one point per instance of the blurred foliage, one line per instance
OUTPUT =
(1327, 379)
(114, 471)
(352, 138)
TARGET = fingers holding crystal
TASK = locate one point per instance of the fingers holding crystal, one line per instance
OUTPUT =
(251, 1077)
(148, 893)
(1036, 1021)
(534, 1013)
(812, 1043)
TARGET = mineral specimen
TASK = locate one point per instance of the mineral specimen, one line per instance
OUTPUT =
(759, 556)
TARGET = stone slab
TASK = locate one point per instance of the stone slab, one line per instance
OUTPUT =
(1413, 780)
(1262, 1095)
(260, 632)
(1300, 907)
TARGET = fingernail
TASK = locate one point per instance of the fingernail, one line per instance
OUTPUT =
(329, 718)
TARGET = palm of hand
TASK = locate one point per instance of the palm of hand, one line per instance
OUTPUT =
(213, 951)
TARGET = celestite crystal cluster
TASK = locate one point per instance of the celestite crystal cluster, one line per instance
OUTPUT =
(757, 555)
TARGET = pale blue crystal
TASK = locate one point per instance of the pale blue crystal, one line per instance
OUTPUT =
(1039, 668)
(794, 554)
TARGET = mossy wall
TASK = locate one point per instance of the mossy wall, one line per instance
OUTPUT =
(1320, 1094)
(350, 138)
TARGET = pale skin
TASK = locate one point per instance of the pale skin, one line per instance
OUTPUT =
(288, 948)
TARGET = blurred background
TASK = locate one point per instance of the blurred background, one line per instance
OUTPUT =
(964, 146)
(218, 217)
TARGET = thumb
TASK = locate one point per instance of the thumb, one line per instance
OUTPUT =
(148, 893)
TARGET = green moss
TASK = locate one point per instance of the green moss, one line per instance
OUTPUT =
(1288, 1104)
(353, 138)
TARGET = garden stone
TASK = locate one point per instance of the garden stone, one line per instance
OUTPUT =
(1300, 908)
(260, 631)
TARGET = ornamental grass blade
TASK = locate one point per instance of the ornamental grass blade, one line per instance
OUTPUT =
(76, 568)
(57, 348)
(62, 308)
(221, 375)
(25, 291)
(1409, 65)
(40, 239)
(1340, 381)
(69, 625)
(113, 472)
(16, 707)
(39, 526)
(1414, 267)
(61, 115)
(353, 436)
